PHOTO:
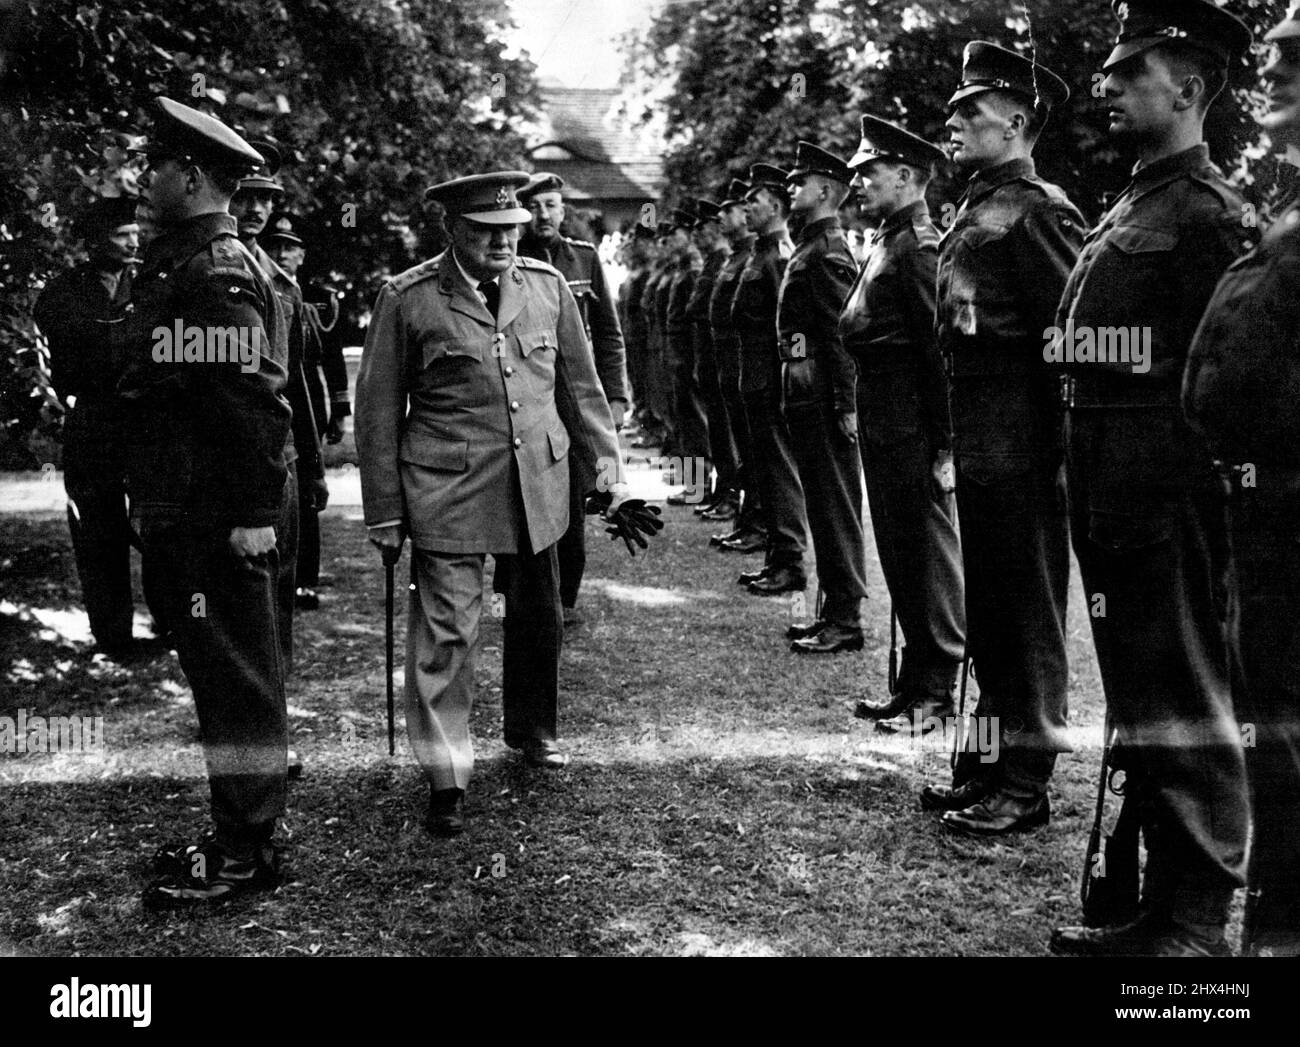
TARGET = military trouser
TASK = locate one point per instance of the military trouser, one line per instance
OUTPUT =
(722, 442)
(307, 570)
(286, 582)
(1155, 566)
(692, 432)
(659, 380)
(571, 549)
(915, 526)
(223, 618)
(441, 648)
(778, 480)
(1265, 528)
(100, 527)
(829, 473)
(1016, 558)
(728, 367)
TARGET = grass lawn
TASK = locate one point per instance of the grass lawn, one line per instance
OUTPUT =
(721, 799)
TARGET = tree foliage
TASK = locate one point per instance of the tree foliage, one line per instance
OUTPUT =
(738, 81)
(376, 99)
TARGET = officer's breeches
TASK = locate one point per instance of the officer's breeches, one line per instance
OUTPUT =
(441, 641)
(832, 484)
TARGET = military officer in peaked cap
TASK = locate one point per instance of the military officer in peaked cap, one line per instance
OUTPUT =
(904, 422)
(322, 352)
(252, 206)
(713, 246)
(753, 317)
(1001, 269)
(1148, 509)
(209, 486)
(581, 266)
(750, 531)
(1239, 391)
(818, 388)
(487, 350)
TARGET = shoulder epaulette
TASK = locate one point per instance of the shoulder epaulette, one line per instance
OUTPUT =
(524, 262)
(580, 243)
(926, 233)
(412, 276)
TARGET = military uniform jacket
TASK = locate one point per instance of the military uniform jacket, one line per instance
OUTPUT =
(1242, 383)
(816, 282)
(1151, 265)
(753, 311)
(697, 306)
(677, 319)
(888, 327)
(580, 264)
(723, 295)
(1002, 267)
(464, 424)
(71, 313)
(207, 439)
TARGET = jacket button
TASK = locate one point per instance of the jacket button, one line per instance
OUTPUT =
(509, 371)
(514, 405)
(518, 442)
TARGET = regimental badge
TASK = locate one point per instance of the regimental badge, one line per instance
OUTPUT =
(1122, 11)
(284, 225)
(503, 197)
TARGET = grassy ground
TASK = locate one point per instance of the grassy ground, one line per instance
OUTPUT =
(721, 799)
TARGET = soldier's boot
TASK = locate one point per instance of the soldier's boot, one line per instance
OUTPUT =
(1151, 934)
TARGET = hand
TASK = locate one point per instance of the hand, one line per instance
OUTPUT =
(334, 431)
(319, 492)
(388, 540)
(847, 423)
(630, 519)
(247, 542)
(618, 408)
(944, 472)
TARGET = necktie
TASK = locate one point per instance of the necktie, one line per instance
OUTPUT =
(492, 292)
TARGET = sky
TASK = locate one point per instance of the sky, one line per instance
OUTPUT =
(572, 40)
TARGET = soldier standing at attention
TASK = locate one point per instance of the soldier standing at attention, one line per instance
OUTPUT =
(1148, 508)
(753, 318)
(1002, 266)
(580, 264)
(749, 532)
(818, 379)
(487, 351)
(209, 485)
(1240, 391)
(692, 435)
(84, 371)
(904, 422)
(252, 208)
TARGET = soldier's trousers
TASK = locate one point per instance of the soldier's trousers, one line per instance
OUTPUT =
(286, 581)
(1265, 530)
(691, 429)
(441, 647)
(1155, 567)
(307, 569)
(778, 480)
(222, 613)
(1016, 557)
(722, 443)
(915, 527)
(571, 549)
(728, 367)
(100, 527)
(831, 478)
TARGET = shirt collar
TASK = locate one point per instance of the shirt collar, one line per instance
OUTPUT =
(469, 279)
(178, 243)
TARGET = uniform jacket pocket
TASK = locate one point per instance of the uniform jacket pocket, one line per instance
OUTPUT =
(435, 453)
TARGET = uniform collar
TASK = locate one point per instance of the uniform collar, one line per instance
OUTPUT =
(815, 229)
(181, 242)
(984, 182)
(772, 239)
(1168, 168)
(269, 265)
(900, 218)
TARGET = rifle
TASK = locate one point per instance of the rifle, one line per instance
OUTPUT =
(1109, 888)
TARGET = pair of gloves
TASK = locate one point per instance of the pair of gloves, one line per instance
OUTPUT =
(630, 519)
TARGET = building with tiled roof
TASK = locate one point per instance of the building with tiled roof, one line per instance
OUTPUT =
(607, 164)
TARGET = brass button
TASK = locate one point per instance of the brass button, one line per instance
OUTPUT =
(518, 442)
(514, 405)
(509, 371)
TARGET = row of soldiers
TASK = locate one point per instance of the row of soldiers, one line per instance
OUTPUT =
(1130, 387)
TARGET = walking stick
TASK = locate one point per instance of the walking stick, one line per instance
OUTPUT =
(961, 714)
(390, 558)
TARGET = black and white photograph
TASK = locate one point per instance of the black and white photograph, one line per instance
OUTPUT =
(651, 478)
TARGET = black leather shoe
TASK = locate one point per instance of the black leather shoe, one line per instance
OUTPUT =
(954, 798)
(1148, 935)
(830, 640)
(294, 771)
(730, 536)
(891, 707)
(798, 632)
(208, 874)
(544, 753)
(680, 499)
(306, 599)
(711, 502)
(725, 509)
(753, 576)
(780, 580)
(921, 715)
(446, 815)
(999, 814)
(170, 858)
(745, 544)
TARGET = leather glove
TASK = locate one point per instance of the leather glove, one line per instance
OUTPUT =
(320, 493)
(334, 431)
(632, 520)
